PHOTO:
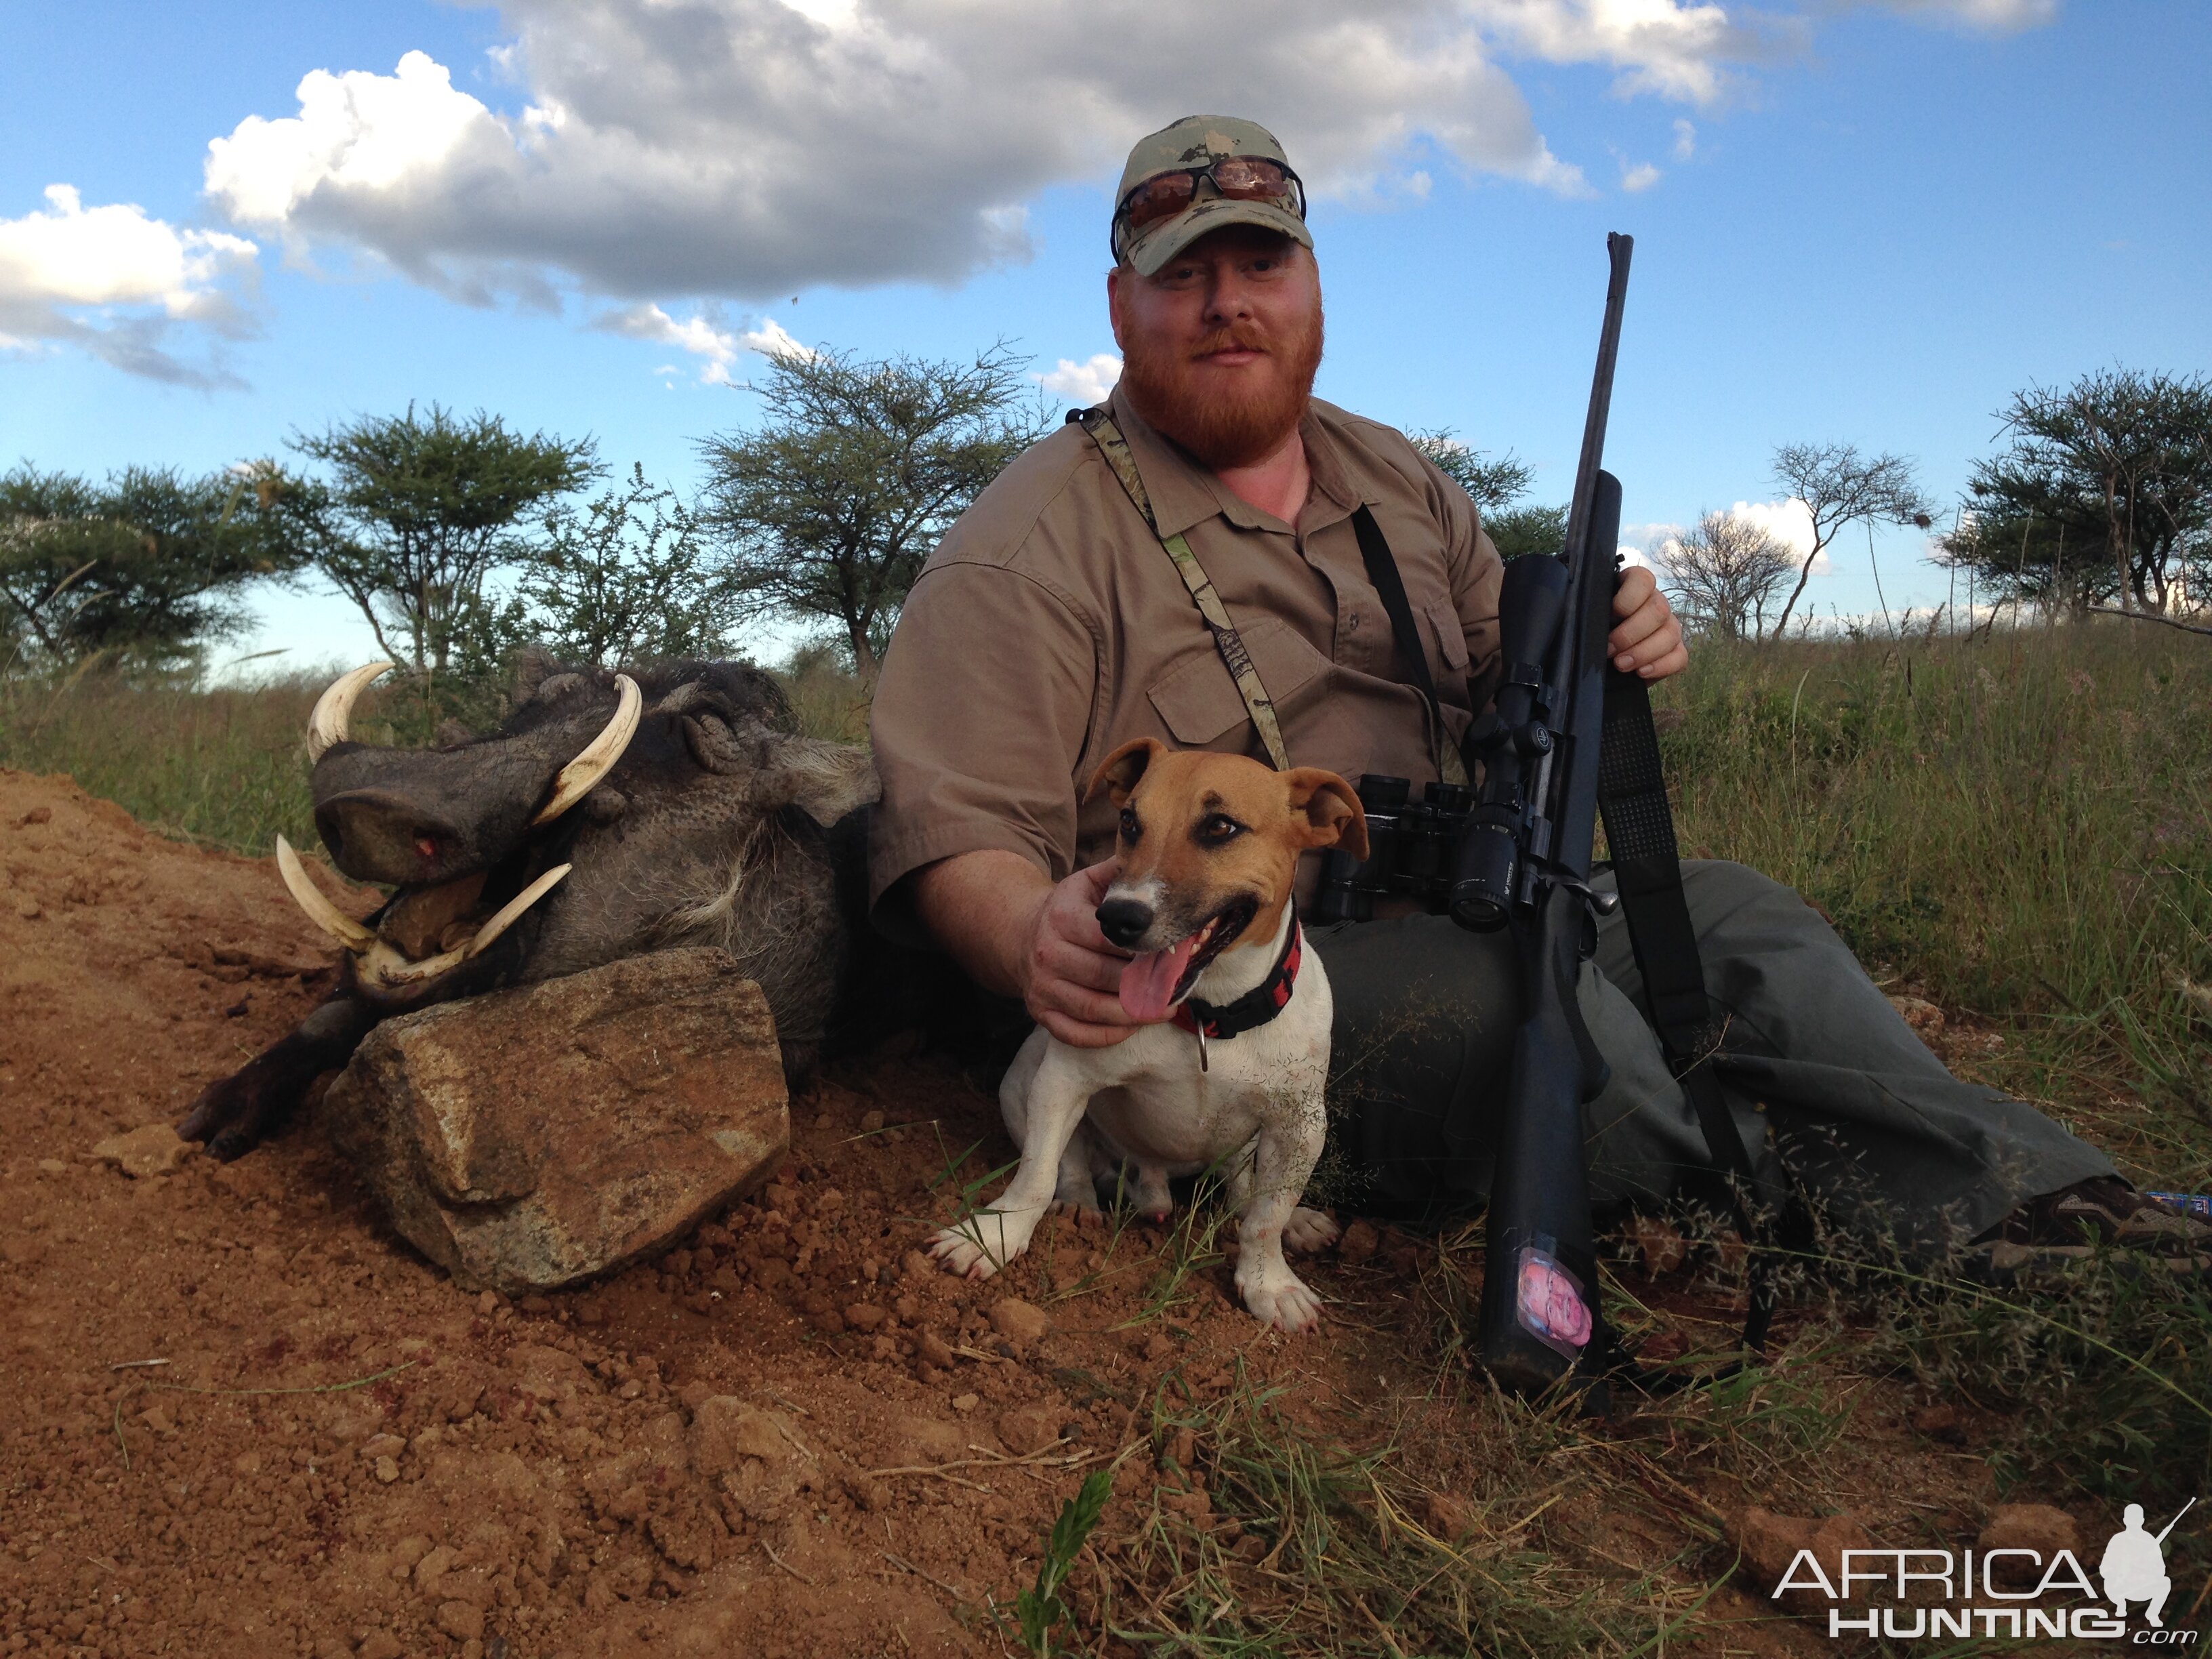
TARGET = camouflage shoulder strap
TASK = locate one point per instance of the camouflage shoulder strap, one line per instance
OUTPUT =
(1115, 448)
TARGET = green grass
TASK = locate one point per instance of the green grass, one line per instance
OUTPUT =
(225, 768)
(2020, 826)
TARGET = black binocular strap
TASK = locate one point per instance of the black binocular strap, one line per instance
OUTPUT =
(1383, 572)
(1640, 834)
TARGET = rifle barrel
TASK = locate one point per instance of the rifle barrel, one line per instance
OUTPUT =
(1618, 248)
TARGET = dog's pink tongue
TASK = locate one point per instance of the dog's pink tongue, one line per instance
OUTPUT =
(1148, 981)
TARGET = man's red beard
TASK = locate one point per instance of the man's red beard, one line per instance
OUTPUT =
(1224, 426)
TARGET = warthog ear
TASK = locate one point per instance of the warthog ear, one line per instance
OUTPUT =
(828, 780)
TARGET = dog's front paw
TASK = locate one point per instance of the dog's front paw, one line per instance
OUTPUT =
(1282, 1300)
(1308, 1230)
(975, 1249)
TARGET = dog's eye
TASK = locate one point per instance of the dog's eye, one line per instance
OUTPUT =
(1131, 830)
(1215, 828)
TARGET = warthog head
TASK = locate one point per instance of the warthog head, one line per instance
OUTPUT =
(607, 817)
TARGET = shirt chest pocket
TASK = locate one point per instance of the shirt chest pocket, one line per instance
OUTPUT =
(1199, 704)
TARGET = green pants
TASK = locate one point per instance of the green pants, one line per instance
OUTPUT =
(1859, 1115)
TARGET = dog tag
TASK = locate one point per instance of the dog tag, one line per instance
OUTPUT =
(1200, 1030)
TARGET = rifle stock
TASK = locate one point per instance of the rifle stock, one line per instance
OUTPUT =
(1525, 863)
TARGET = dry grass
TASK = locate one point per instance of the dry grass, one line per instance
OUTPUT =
(225, 768)
(2021, 828)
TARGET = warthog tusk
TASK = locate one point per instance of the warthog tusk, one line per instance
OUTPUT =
(311, 898)
(326, 726)
(507, 912)
(581, 775)
(385, 966)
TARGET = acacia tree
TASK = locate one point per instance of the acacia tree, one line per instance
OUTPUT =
(1530, 528)
(1496, 486)
(2105, 491)
(1723, 573)
(828, 509)
(1841, 487)
(626, 578)
(1492, 483)
(140, 570)
(420, 509)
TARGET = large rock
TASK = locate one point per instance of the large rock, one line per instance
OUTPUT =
(534, 1137)
(1769, 1545)
(2040, 1529)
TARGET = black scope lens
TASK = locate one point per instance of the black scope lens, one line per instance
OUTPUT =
(1483, 877)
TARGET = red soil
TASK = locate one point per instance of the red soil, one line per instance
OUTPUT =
(515, 1480)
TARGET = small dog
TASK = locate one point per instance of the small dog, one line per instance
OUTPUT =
(1229, 1072)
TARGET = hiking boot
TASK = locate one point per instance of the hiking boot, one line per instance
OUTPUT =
(2104, 1211)
(2068, 1226)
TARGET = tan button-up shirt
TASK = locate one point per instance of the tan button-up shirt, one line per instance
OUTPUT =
(1050, 627)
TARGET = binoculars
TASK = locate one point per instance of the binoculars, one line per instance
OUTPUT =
(1411, 846)
(1450, 852)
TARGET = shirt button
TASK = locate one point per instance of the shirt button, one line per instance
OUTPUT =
(1353, 625)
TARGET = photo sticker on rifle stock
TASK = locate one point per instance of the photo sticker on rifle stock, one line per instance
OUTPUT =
(1549, 1302)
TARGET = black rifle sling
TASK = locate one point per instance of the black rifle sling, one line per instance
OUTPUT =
(1640, 834)
(1383, 572)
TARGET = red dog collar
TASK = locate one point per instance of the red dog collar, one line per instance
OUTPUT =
(1208, 1020)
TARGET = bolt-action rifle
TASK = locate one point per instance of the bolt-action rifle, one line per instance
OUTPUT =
(1525, 863)
(1567, 734)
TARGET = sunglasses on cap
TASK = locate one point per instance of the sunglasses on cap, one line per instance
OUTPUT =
(1238, 177)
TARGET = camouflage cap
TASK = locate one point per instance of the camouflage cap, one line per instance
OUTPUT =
(1198, 141)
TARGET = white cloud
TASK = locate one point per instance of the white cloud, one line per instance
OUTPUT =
(1791, 523)
(748, 148)
(1085, 383)
(1677, 51)
(1640, 177)
(703, 336)
(114, 281)
(1686, 140)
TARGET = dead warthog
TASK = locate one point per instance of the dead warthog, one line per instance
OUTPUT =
(608, 815)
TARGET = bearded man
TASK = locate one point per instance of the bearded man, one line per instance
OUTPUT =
(1187, 564)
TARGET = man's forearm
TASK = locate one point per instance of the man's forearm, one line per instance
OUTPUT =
(982, 907)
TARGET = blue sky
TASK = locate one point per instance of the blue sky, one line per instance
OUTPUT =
(1868, 223)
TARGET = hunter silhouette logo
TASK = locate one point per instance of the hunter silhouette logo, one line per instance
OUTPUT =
(2134, 1567)
(1933, 1593)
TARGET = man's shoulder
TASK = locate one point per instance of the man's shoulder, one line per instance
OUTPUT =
(1382, 458)
(1057, 476)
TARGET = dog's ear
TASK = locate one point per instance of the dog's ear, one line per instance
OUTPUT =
(1330, 808)
(1120, 772)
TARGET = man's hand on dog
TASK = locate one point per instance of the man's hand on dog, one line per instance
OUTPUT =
(1647, 641)
(1020, 934)
(1072, 976)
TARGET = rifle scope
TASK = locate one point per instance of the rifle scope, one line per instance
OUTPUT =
(1513, 738)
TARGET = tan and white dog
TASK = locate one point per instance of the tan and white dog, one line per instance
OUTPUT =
(1229, 1075)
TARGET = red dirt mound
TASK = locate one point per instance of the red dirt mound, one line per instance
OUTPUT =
(243, 1419)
